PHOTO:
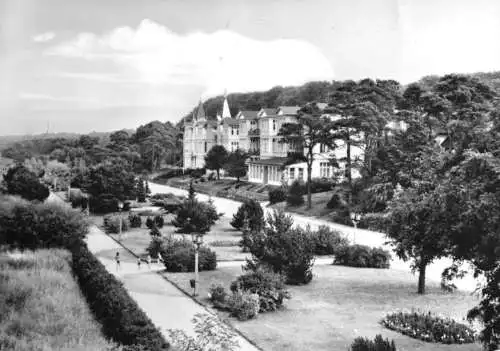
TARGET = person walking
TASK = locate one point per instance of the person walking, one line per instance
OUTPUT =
(117, 259)
(149, 261)
(139, 263)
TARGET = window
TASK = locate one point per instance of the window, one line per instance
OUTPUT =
(206, 146)
(237, 131)
(324, 170)
(232, 131)
(323, 148)
(301, 173)
(292, 173)
(274, 125)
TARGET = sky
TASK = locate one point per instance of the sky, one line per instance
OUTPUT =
(102, 65)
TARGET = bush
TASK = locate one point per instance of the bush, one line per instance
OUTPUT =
(218, 296)
(149, 223)
(319, 185)
(112, 224)
(328, 241)
(269, 286)
(295, 196)
(373, 221)
(363, 257)
(243, 305)
(26, 225)
(342, 216)
(104, 203)
(155, 232)
(195, 217)
(335, 202)
(121, 318)
(178, 256)
(156, 246)
(277, 195)
(427, 327)
(251, 211)
(378, 344)
(135, 220)
(159, 221)
(212, 176)
(19, 180)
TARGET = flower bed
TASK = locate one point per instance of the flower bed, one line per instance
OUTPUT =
(428, 327)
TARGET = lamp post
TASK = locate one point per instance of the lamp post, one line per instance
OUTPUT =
(120, 206)
(355, 218)
(197, 241)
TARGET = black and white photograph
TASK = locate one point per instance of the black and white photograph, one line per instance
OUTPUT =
(250, 175)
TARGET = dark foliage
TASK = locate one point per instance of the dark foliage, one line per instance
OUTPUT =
(25, 225)
(268, 285)
(112, 224)
(342, 216)
(328, 241)
(335, 202)
(195, 217)
(363, 257)
(155, 232)
(277, 195)
(250, 213)
(159, 221)
(135, 220)
(104, 203)
(140, 191)
(149, 223)
(121, 318)
(178, 256)
(21, 181)
(295, 196)
(378, 344)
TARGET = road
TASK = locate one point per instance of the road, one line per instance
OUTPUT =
(359, 236)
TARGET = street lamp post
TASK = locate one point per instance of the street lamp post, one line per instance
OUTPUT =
(197, 240)
(355, 217)
(120, 206)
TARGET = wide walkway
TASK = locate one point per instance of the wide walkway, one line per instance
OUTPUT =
(358, 236)
(166, 305)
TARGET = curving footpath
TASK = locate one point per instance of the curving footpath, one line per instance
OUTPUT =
(359, 236)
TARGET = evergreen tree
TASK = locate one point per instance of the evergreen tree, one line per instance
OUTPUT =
(141, 192)
(191, 191)
(148, 191)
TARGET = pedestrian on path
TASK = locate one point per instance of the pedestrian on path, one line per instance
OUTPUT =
(117, 259)
(149, 261)
(139, 263)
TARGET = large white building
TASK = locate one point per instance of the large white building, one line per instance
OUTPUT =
(256, 132)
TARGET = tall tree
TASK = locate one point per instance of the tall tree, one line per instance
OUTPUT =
(216, 158)
(235, 164)
(21, 181)
(310, 131)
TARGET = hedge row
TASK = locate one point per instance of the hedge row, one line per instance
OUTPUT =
(120, 316)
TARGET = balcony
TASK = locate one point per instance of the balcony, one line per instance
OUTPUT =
(255, 132)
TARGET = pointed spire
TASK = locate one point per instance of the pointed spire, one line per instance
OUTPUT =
(200, 112)
(226, 113)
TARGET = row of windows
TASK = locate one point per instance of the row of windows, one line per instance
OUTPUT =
(235, 145)
(300, 173)
(324, 169)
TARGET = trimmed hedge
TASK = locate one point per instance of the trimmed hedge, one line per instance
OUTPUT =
(277, 195)
(120, 316)
(362, 256)
(378, 344)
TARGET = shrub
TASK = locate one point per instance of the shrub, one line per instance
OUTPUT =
(195, 217)
(428, 327)
(243, 305)
(295, 196)
(373, 221)
(135, 220)
(178, 256)
(155, 232)
(363, 256)
(212, 176)
(269, 286)
(149, 223)
(121, 318)
(112, 224)
(277, 195)
(335, 202)
(156, 246)
(378, 344)
(319, 185)
(342, 216)
(250, 211)
(328, 241)
(218, 296)
(104, 203)
(26, 225)
(159, 221)
(286, 250)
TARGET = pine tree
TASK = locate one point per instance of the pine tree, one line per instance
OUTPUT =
(141, 192)
(148, 191)
(191, 192)
(155, 232)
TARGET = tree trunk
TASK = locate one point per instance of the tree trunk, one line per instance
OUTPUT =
(309, 170)
(349, 166)
(421, 278)
(218, 174)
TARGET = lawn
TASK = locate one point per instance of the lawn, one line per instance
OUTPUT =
(138, 239)
(318, 208)
(340, 304)
(41, 307)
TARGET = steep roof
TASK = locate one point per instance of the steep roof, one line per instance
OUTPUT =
(231, 121)
(268, 111)
(248, 114)
(200, 111)
(288, 110)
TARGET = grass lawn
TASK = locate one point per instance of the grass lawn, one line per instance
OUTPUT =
(318, 208)
(41, 307)
(138, 239)
(340, 304)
